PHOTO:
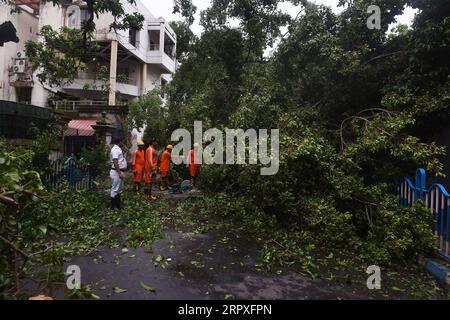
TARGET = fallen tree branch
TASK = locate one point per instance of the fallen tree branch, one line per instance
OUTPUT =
(359, 116)
(6, 197)
(382, 56)
(8, 201)
(15, 248)
(95, 248)
(41, 252)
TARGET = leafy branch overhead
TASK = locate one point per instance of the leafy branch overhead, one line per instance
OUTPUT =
(186, 8)
(95, 8)
(59, 56)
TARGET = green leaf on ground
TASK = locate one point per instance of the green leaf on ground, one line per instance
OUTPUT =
(43, 229)
(119, 290)
(148, 288)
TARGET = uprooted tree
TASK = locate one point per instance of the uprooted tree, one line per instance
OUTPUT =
(356, 108)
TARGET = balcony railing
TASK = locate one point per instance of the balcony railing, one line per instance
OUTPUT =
(94, 76)
(125, 80)
(69, 105)
(86, 106)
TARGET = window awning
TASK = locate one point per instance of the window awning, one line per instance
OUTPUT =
(33, 4)
(80, 128)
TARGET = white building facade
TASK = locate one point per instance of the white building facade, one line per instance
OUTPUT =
(136, 61)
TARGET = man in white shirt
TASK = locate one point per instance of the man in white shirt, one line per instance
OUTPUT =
(117, 173)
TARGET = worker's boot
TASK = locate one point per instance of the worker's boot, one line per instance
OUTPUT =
(118, 202)
(113, 203)
(149, 194)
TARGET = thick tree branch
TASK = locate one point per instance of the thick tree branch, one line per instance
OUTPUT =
(14, 247)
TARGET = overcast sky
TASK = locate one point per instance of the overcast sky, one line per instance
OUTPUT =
(163, 8)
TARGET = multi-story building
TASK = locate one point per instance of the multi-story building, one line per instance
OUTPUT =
(131, 63)
(136, 61)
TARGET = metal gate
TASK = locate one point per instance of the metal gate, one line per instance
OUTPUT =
(436, 198)
(71, 172)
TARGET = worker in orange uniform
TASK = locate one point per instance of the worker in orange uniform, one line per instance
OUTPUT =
(151, 169)
(138, 165)
(193, 163)
(166, 158)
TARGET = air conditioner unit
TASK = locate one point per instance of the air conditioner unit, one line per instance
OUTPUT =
(21, 55)
(19, 68)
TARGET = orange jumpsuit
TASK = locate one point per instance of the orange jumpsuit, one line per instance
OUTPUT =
(138, 164)
(195, 168)
(165, 163)
(151, 164)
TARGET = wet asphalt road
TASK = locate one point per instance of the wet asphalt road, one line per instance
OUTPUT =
(215, 265)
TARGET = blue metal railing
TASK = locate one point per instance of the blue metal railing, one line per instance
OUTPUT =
(436, 198)
(69, 171)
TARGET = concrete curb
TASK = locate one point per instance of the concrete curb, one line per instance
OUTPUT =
(437, 270)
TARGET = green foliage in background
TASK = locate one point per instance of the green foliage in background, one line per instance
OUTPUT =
(148, 114)
(96, 158)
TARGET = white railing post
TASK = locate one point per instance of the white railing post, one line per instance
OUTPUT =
(447, 233)
(409, 195)
(441, 221)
